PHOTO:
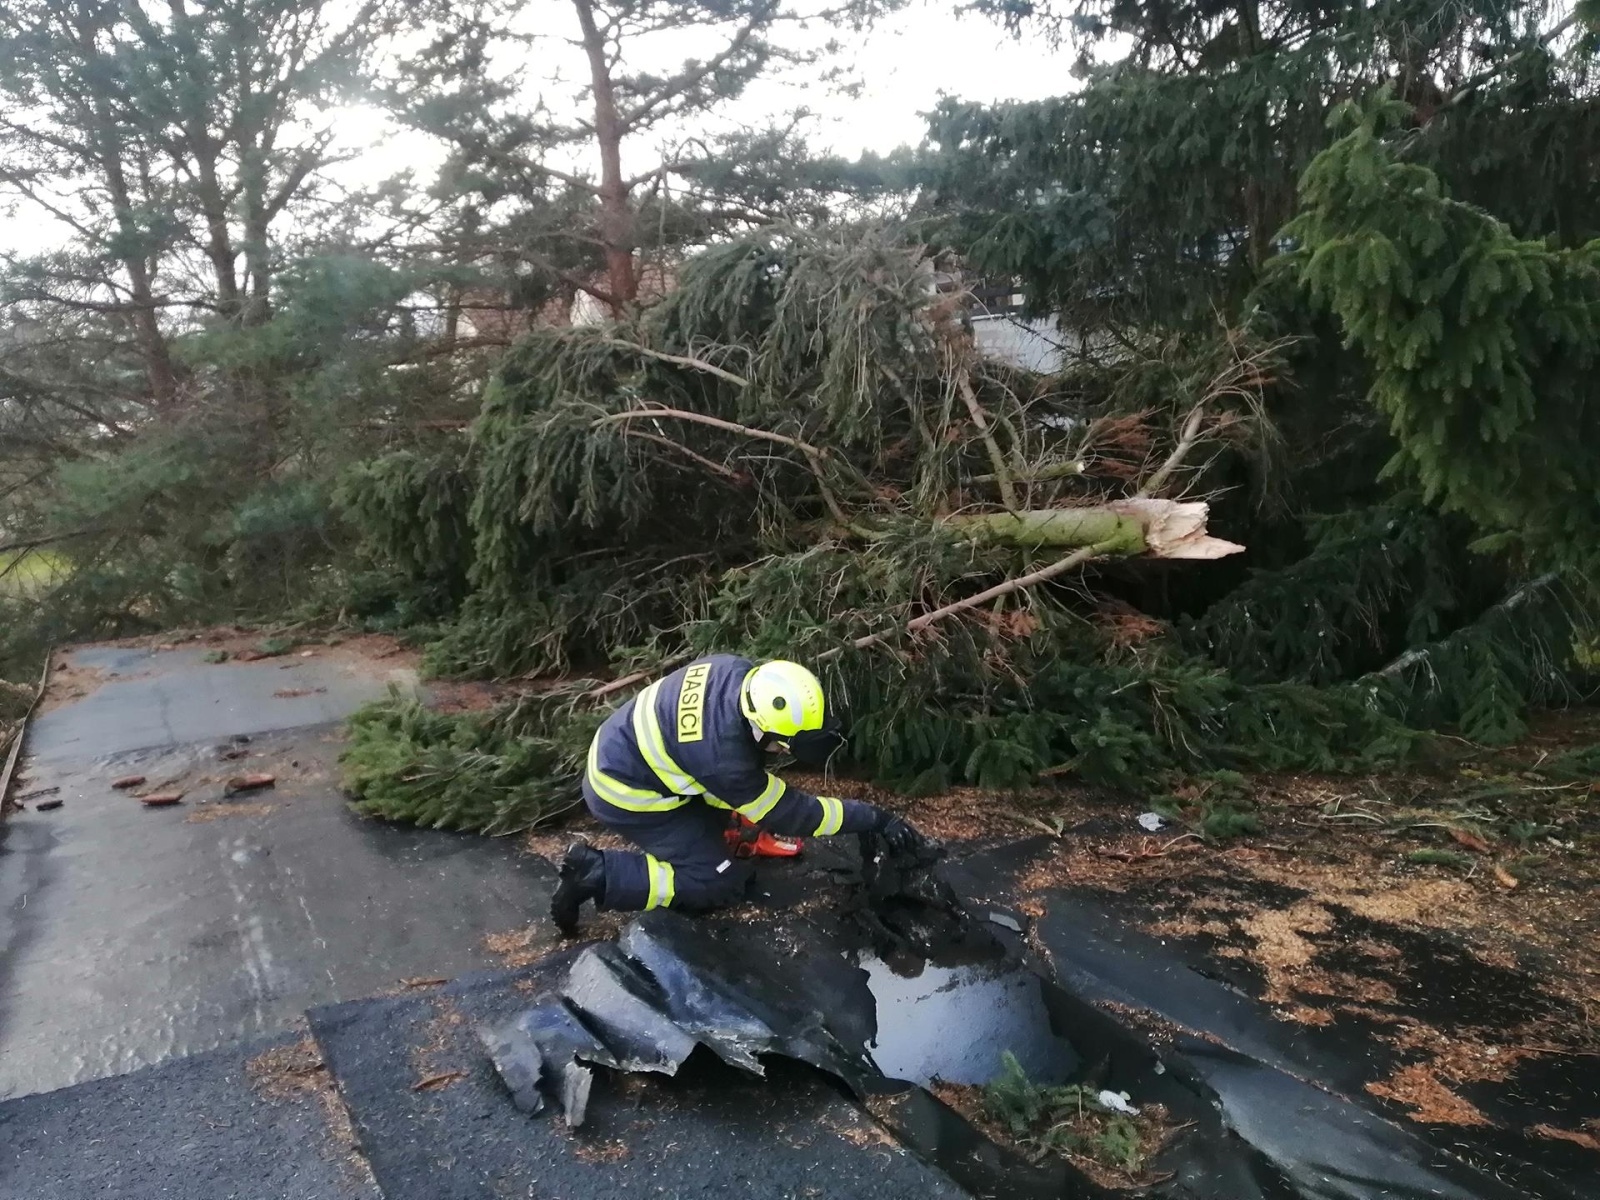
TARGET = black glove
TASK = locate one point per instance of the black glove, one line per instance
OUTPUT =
(903, 838)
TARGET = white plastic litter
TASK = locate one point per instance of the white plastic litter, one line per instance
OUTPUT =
(1117, 1102)
(1152, 821)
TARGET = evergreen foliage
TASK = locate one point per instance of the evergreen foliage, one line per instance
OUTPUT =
(497, 773)
(240, 390)
(1062, 1119)
(1482, 344)
(592, 548)
(1373, 583)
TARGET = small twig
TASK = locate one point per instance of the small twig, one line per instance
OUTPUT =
(1042, 575)
(442, 1079)
(715, 468)
(627, 681)
(684, 360)
(1041, 474)
(815, 458)
(1186, 440)
(1002, 472)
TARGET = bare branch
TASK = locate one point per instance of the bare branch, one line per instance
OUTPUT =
(683, 360)
(716, 468)
(1186, 440)
(997, 460)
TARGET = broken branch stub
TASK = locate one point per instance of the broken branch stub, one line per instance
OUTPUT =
(1137, 525)
(1175, 528)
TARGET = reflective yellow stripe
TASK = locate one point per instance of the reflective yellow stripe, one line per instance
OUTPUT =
(647, 732)
(614, 791)
(767, 801)
(663, 883)
(832, 816)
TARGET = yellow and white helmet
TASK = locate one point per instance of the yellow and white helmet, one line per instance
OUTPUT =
(783, 698)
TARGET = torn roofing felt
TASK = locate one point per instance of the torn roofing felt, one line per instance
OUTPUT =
(670, 984)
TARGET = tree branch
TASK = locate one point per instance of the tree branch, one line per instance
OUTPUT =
(715, 468)
(684, 360)
(997, 460)
(1186, 440)
(1043, 575)
(814, 457)
(641, 113)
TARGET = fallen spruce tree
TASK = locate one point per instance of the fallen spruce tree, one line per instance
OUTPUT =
(799, 452)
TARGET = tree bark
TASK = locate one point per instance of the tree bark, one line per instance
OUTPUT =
(147, 333)
(107, 145)
(1055, 527)
(616, 215)
(1137, 525)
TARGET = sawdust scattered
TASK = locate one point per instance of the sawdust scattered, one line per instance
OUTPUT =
(296, 1072)
(1346, 985)
(519, 947)
(553, 846)
(1157, 1029)
(1081, 862)
(1308, 914)
(1281, 946)
(1432, 903)
(601, 1152)
(957, 813)
(1430, 1102)
(285, 1072)
(862, 1134)
(69, 683)
(1304, 1014)
(1182, 927)
(1462, 1055)
(428, 1058)
(1365, 1012)
(220, 812)
(1382, 951)
(1578, 1137)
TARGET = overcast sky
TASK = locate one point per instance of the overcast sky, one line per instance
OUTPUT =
(903, 65)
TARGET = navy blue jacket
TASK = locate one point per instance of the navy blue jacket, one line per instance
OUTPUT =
(685, 738)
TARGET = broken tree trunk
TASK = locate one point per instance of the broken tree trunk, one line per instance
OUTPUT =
(1138, 525)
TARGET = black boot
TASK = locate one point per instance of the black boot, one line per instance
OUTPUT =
(583, 877)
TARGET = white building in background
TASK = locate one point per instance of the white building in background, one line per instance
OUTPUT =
(1031, 344)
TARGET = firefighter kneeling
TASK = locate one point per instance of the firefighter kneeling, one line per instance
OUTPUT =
(672, 767)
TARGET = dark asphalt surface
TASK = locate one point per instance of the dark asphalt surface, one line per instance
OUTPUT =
(131, 936)
(153, 699)
(711, 1131)
(193, 1130)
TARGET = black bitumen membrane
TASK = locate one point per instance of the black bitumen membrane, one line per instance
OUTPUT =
(197, 1129)
(131, 936)
(1317, 1075)
(711, 1130)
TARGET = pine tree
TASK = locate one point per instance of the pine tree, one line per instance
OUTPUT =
(598, 193)
(1482, 344)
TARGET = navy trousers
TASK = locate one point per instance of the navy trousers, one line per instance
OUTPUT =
(682, 861)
